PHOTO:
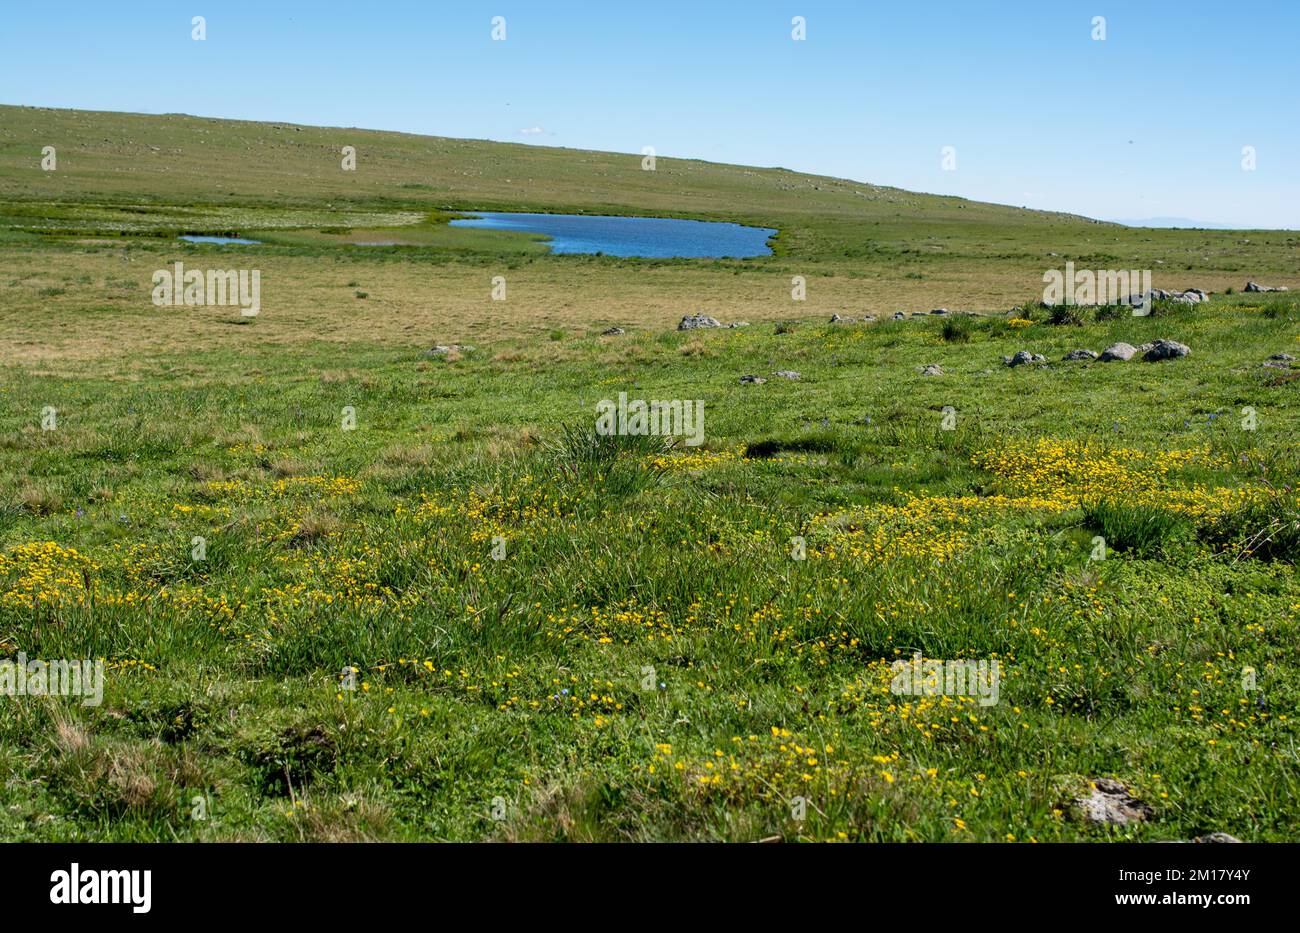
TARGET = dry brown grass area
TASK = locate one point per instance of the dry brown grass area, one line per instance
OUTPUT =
(413, 305)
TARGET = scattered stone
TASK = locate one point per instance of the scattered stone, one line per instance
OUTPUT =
(696, 321)
(918, 314)
(1217, 837)
(1284, 357)
(1166, 350)
(941, 311)
(1080, 355)
(1110, 803)
(752, 380)
(613, 332)
(836, 319)
(736, 324)
(441, 350)
(931, 369)
(1022, 357)
(787, 374)
(899, 315)
(1117, 351)
(1191, 296)
(1252, 287)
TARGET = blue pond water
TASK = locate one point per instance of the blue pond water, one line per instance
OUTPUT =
(218, 239)
(652, 237)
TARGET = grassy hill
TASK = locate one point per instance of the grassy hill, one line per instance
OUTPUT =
(431, 603)
(179, 157)
(224, 168)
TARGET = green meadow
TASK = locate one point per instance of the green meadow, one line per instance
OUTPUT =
(346, 586)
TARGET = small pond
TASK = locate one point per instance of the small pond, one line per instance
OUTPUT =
(651, 237)
(217, 239)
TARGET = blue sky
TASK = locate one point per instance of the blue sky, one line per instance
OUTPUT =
(1150, 122)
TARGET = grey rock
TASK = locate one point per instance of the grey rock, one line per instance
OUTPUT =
(931, 369)
(918, 314)
(752, 380)
(1252, 287)
(1217, 837)
(941, 311)
(612, 332)
(787, 374)
(1110, 803)
(1080, 355)
(899, 315)
(1155, 294)
(443, 350)
(1117, 351)
(696, 321)
(735, 324)
(1284, 357)
(1191, 296)
(836, 319)
(1022, 357)
(1166, 350)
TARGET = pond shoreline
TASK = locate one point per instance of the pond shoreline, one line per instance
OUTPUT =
(626, 236)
